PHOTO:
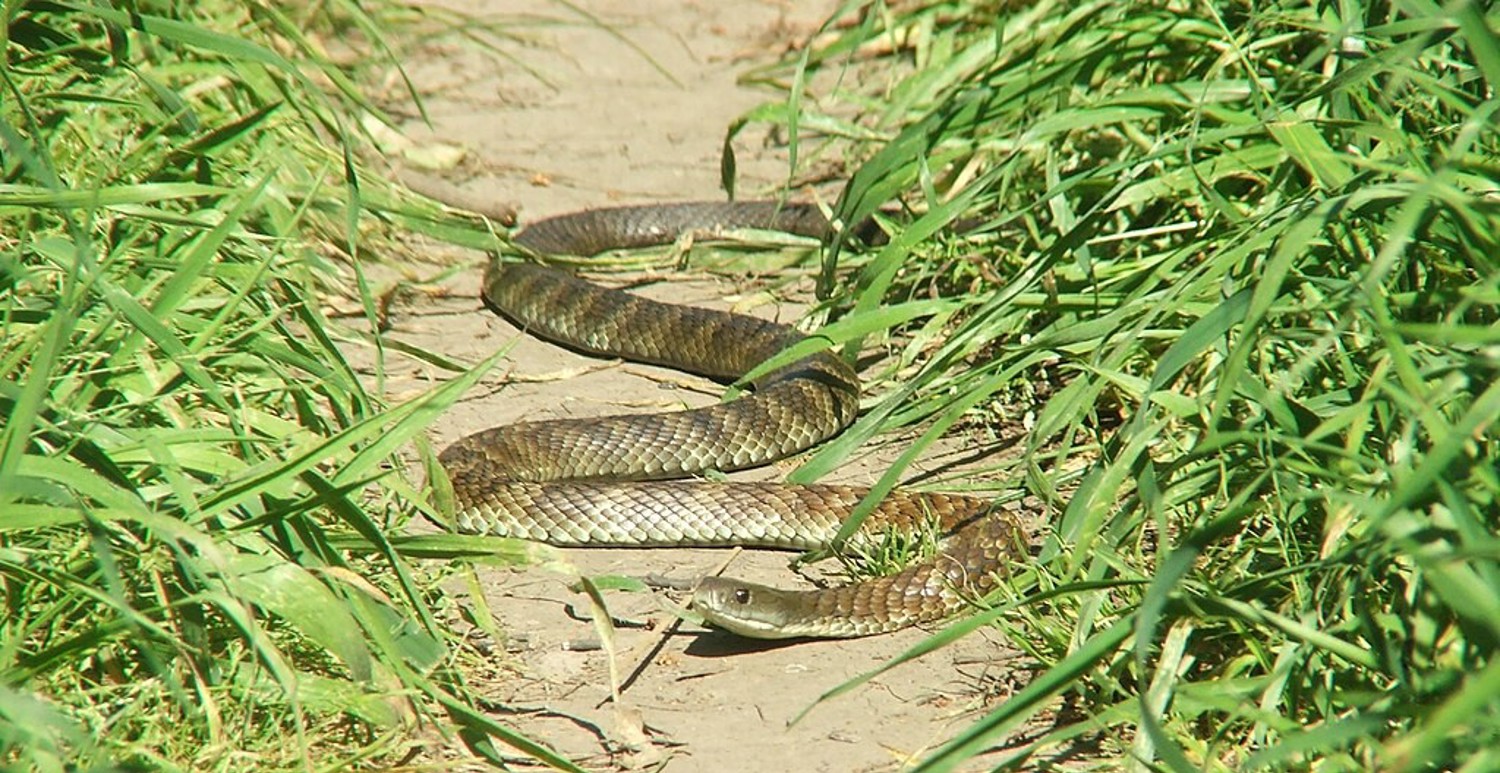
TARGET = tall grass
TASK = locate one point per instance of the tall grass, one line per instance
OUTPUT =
(195, 487)
(1246, 255)
(1254, 252)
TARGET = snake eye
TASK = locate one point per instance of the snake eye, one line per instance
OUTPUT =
(742, 595)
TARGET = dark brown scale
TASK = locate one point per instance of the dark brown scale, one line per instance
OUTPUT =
(596, 230)
(546, 480)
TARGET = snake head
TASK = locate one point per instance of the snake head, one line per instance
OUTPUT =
(754, 611)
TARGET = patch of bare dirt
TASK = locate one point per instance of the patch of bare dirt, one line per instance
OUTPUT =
(628, 103)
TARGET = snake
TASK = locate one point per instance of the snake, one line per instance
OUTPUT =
(628, 480)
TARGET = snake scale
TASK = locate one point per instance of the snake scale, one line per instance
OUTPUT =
(604, 481)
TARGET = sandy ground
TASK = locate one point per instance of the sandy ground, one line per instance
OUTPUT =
(590, 120)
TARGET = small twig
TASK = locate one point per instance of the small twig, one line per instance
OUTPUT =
(448, 194)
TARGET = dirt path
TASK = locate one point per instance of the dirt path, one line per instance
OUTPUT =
(595, 122)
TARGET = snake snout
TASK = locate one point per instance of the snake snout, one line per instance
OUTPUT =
(744, 608)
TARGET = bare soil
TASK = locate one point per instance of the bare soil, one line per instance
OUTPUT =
(633, 109)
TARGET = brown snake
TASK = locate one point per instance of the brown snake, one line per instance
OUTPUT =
(599, 481)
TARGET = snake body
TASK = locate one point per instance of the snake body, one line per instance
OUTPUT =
(602, 481)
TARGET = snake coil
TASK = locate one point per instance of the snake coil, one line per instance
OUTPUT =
(603, 481)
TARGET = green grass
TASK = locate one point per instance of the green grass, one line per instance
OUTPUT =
(1246, 257)
(1268, 241)
(201, 549)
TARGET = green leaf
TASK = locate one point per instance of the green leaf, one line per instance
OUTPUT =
(296, 596)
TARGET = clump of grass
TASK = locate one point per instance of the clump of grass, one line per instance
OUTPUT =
(890, 550)
(1269, 238)
(195, 486)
